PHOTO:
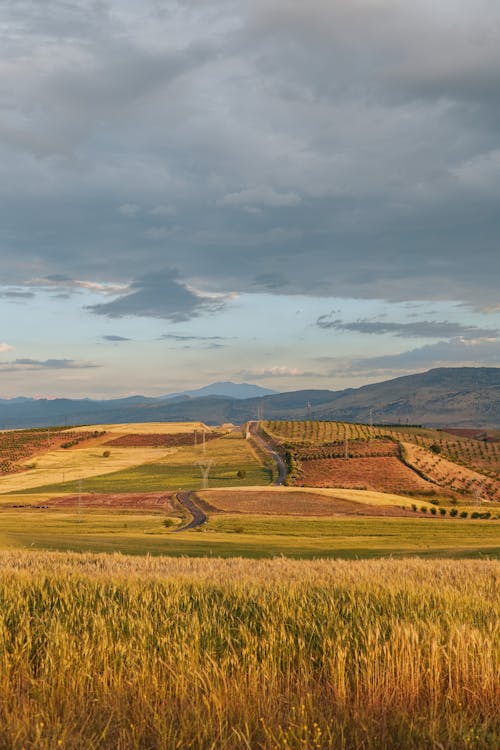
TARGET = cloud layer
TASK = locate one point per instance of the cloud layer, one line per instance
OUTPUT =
(319, 148)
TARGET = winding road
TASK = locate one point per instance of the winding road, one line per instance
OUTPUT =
(186, 498)
(198, 516)
(259, 440)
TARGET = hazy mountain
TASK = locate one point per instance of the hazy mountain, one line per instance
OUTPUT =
(226, 388)
(458, 397)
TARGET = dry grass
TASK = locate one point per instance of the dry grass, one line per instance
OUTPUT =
(139, 428)
(70, 465)
(113, 652)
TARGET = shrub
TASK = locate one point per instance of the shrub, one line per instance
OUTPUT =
(241, 473)
(475, 514)
(453, 512)
(424, 509)
(442, 511)
(433, 510)
(464, 514)
(435, 448)
(106, 454)
(413, 507)
(168, 523)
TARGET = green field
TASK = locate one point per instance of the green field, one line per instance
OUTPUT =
(176, 469)
(227, 535)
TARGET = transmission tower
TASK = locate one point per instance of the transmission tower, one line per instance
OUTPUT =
(205, 465)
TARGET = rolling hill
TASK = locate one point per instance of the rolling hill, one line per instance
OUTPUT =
(454, 397)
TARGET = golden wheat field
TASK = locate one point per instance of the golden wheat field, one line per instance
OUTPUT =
(108, 651)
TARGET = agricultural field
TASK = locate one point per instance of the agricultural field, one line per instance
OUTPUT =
(16, 446)
(464, 464)
(110, 652)
(142, 461)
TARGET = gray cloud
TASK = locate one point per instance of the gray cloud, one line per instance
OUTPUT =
(159, 295)
(414, 329)
(456, 352)
(366, 162)
(116, 339)
(16, 295)
(27, 364)
(185, 337)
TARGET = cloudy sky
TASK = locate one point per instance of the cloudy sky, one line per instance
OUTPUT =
(299, 194)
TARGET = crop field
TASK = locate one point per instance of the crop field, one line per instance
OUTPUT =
(137, 428)
(16, 446)
(383, 474)
(296, 504)
(104, 468)
(455, 462)
(449, 474)
(132, 524)
(112, 652)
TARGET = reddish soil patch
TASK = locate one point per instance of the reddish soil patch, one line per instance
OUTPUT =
(292, 504)
(158, 440)
(384, 474)
(157, 500)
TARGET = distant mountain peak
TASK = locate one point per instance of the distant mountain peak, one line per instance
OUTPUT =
(226, 388)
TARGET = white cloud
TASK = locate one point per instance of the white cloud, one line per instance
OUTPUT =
(6, 347)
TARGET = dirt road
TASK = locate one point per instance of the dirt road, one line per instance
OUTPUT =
(259, 440)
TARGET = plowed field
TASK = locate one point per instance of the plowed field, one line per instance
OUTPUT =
(161, 501)
(294, 504)
(159, 440)
(384, 474)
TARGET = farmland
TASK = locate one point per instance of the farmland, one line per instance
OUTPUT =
(143, 464)
(158, 653)
(262, 628)
(448, 463)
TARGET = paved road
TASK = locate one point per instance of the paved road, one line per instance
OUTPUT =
(253, 427)
(198, 516)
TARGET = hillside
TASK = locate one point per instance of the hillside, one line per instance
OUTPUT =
(454, 397)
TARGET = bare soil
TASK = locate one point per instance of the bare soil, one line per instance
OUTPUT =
(382, 474)
(292, 504)
(157, 500)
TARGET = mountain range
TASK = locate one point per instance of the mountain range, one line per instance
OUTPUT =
(451, 397)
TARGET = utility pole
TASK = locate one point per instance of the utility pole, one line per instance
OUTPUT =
(80, 519)
(309, 411)
(478, 493)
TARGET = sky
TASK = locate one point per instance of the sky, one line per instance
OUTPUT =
(295, 194)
